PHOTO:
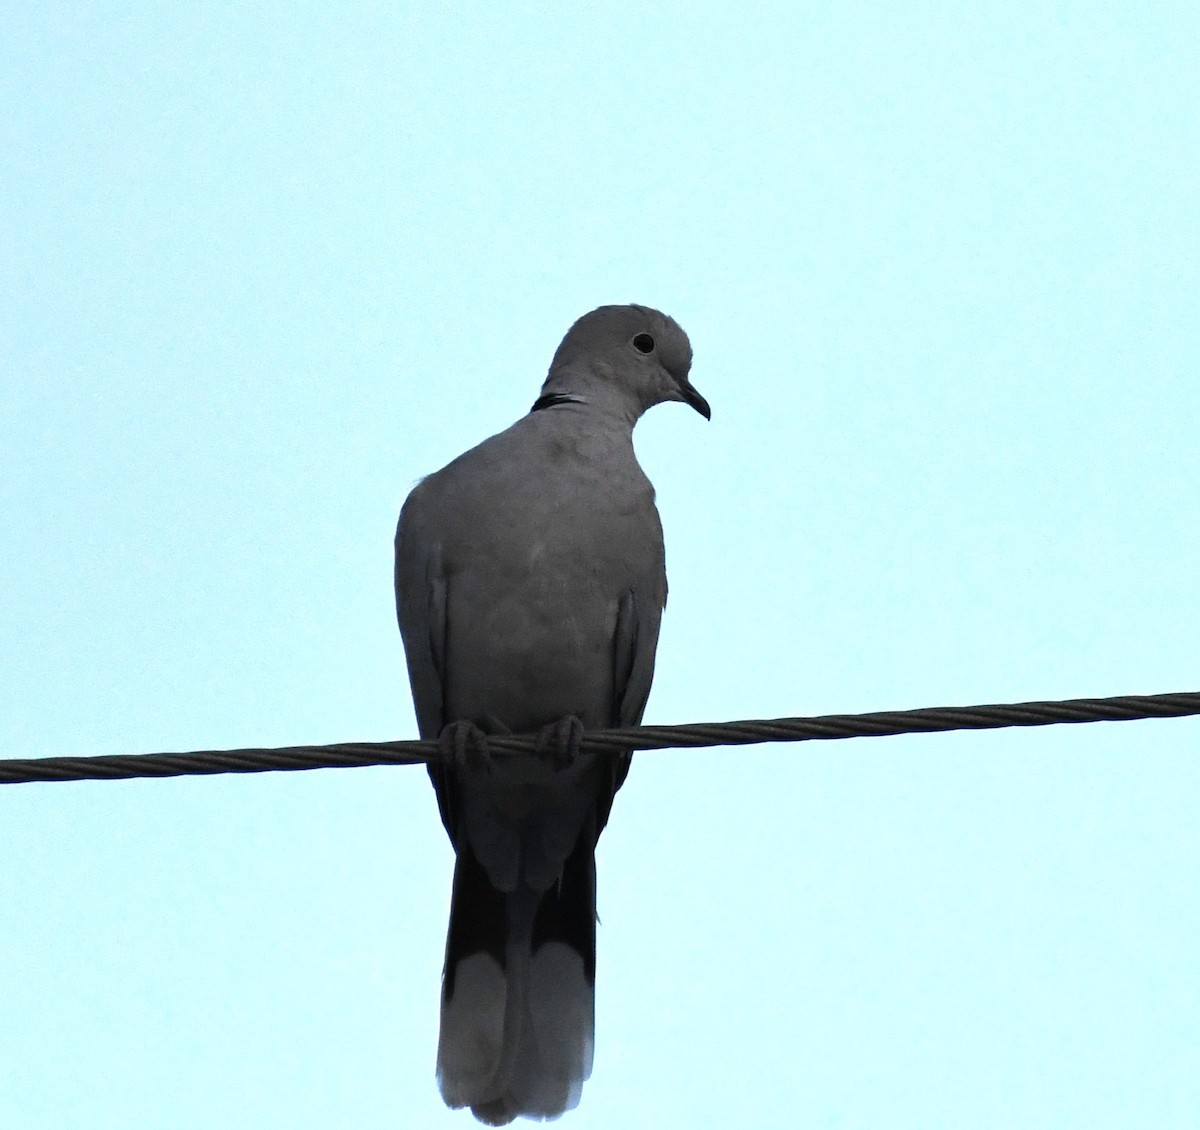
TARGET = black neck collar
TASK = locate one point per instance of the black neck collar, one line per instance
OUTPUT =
(553, 400)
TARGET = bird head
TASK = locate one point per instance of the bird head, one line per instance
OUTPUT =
(628, 355)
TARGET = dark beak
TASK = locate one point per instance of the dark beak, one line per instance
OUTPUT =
(691, 396)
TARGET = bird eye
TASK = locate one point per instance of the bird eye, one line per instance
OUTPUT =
(643, 343)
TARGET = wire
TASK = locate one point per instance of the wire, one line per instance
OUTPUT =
(345, 755)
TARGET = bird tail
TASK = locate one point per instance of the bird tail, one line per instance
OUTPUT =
(518, 992)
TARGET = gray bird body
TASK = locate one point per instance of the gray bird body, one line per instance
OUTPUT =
(530, 584)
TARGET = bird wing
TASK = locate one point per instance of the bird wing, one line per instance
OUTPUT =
(421, 600)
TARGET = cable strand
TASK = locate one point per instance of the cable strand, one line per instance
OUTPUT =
(828, 727)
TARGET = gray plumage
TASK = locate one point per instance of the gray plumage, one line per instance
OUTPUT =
(530, 582)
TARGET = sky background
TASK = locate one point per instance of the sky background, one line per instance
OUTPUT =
(264, 266)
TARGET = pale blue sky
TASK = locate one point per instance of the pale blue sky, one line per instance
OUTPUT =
(263, 267)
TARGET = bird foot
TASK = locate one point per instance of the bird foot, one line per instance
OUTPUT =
(464, 745)
(559, 742)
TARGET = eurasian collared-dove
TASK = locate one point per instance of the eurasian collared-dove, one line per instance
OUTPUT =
(530, 582)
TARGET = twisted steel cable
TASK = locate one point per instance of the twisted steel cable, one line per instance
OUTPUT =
(344, 755)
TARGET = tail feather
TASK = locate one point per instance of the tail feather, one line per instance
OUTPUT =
(518, 996)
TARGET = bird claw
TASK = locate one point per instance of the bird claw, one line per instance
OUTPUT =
(464, 745)
(559, 742)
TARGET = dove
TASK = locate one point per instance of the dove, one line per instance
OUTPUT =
(530, 586)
